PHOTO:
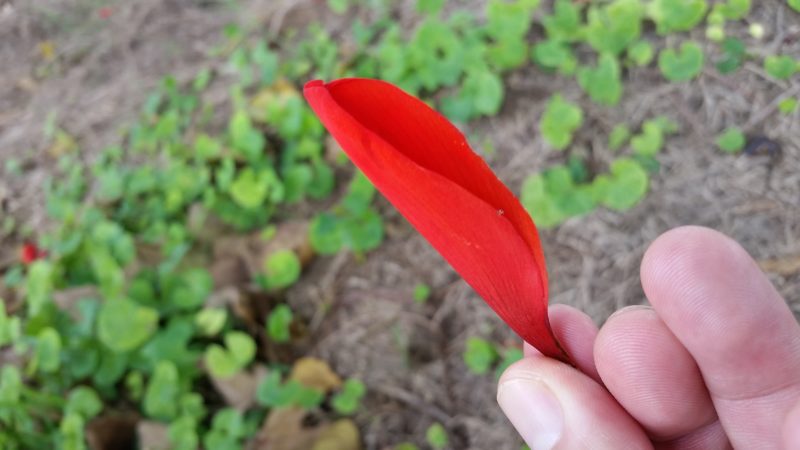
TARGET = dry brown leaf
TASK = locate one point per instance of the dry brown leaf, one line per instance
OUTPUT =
(290, 235)
(239, 390)
(284, 430)
(333, 150)
(67, 299)
(228, 271)
(47, 50)
(153, 435)
(276, 95)
(340, 435)
(315, 373)
(788, 265)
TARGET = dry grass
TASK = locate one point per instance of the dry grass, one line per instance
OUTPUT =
(362, 314)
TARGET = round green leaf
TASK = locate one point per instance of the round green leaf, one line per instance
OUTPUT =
(732, 140)
(281, 269)
(681, 65)
(123, 325)
(626, 185)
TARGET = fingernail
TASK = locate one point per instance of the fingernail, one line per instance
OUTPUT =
(534, 411)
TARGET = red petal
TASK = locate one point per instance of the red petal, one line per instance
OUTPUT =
(29, 253)
(423, 165)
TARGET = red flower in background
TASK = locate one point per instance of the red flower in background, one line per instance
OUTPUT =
(29, 253)
(423, 165)
(104, 12)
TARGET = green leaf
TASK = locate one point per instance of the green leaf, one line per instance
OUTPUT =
(733, 54)
(363, 232)
(279, 322)
(555, 55)
(241, 346)
(250, 188)
(220, 362)
(47, 358)
(10, 385)
(786, 106)
(677, 15)
(244, 138)
(182, 434)
(510, 356)
(539, 203)
(432, 7)
(84, 400)
(565, 23)
(162, 393)
(650, 141)
(733, 9)
(405, 446)
(281, 269)
(732, 140)
(479, 355)
(618, 137)
(641, 53)
(436, 436)
(421, 292)
(272, 393)
(794, 4)
(485, 89)
(348, 400)
(625, 186)
(781, 67)
(10, 327)
(612, 28)
(681, 65)
(325, 234)
(206, 147)
(123, 325)
(210, 321)
(602, 83)
(560, 120)
(437, 55)
(339, 6)
(39, 286)
(508, 53)
(509, 20)
(161, 396)
(188, 290)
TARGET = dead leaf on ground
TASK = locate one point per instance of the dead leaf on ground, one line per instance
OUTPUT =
(67, 299)
(286, 429)
(787, 265)
(153, 435)
(341, 435)
(228, 271)
(315, 373)
(290, 235)
(239, 391)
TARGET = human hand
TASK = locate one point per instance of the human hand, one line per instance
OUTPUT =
(714, 364)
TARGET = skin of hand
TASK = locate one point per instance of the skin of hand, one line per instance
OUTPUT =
(713, 364)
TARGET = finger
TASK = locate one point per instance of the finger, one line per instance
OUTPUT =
(576, 332)
(554, 406)
(745, 340)
(653, 376)
(791, 428)
(710, 437)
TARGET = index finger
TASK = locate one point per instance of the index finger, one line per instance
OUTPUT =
(741, 333)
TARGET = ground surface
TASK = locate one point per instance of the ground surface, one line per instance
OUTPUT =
(409, 355)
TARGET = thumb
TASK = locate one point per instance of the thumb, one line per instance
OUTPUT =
(554, 406)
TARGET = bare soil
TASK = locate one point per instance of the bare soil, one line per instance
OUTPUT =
(362, 316)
